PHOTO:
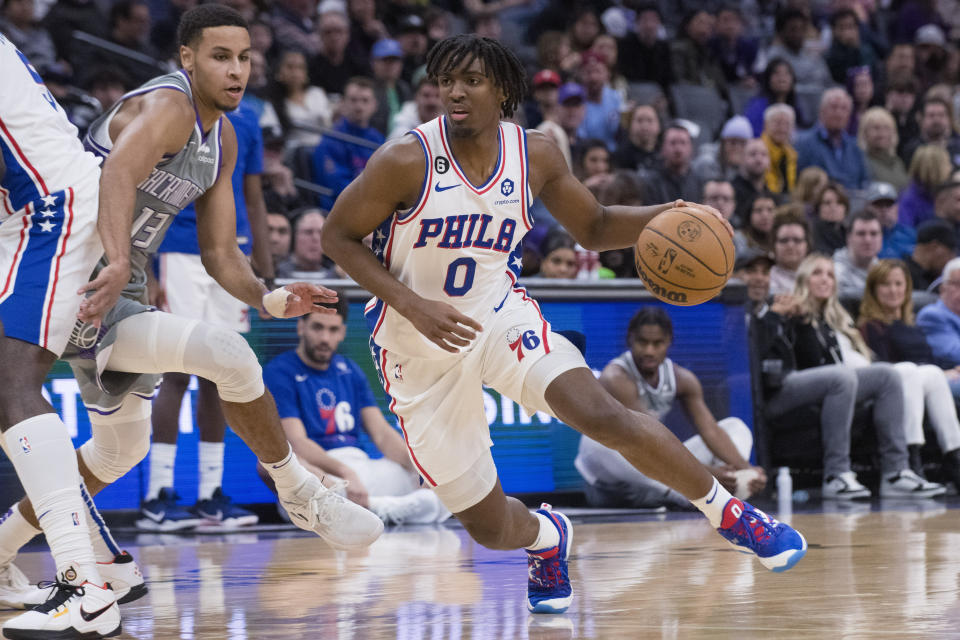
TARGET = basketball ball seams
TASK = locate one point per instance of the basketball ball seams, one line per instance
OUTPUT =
(726, 260)
(687, 251)
(671, 282)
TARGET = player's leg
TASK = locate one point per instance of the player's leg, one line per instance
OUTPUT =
(158, 342)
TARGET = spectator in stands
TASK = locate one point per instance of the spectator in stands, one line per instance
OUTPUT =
(853, 262)
(166, 18)
(559, 255)
(757, 232)
(562, 125)
(602, 118)
(846, 49)
(623, 188)
(644, 57)
(946, 202)
(830, 147)
(736, 53)
(583, 28)
(366, 28)
(554, 52)
(877, 137)
(544, 87)
(391, 89)
(424, 107)
(723, 160)
(810, 182)
(936, 128)
(324, 400)
(107, 85)
(130, 28)
(811, 72)
(933, 57)
(593, 161)
(261, 38)
(830, 208)
(307, 253)
(779, 122)
(690, 56)
(751, 180)
(605, 46)
(67, 16)
(278, 228)
(887, 324)
(332, 67)
(898, 239)
(929, 168)
(777, 86)
(813, 354)
(753, 268)
(18, 25)
(292, 22)
(412, 36)
(719, 194)
(791, 244)
(298, 103)
(936, 246)
(940, 321)
(674, 178)
(644, 379)
(899, 101)
(336, 162)
(639, 149)
(860, 86)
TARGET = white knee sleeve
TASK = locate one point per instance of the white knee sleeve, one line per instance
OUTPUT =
(120, 440)
(224, 357)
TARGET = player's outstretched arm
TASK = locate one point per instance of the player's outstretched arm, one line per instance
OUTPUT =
(145, 128)
(593, 225)
(391, 180)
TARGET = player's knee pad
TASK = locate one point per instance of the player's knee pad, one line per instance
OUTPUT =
(120, 440)
(224, 357)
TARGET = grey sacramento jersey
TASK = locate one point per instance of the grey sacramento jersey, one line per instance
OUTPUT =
(175, 182)
(660, 398)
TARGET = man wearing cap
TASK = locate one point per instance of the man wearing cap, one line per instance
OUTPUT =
(931, 55)
(602, 119)
(898, 239)
(562, 123)
(936, 246)
(545, 85)
(640, 149)
(751, 180)
(391, 90)
(412, 36)
(332, 67)
(674, 178)
(936, 127)
(722, 160)
(424, 107)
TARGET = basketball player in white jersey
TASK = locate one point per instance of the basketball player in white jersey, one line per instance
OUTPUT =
(48, 248)
(448, 205)
(165, 145)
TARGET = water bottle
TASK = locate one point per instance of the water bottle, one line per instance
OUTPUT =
(784, 492)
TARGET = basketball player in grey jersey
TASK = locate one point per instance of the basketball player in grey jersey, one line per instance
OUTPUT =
(166, 144)
(644, 379)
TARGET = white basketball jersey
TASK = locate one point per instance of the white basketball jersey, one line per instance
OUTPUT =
(460, 242)
(39, 144)
(659, 399)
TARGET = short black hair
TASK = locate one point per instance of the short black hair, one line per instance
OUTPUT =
(122, 10)
(650, 316)
(840, 14)
(498, 62)
(864, 214)
(205, 16)
(929, 100)
(785, 16)
(341, 306)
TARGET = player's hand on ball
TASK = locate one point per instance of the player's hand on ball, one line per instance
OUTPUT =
(443, 325)
(297, 299)
(706, 209)
(106, 288)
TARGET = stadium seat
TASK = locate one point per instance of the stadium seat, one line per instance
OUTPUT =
(703, 105)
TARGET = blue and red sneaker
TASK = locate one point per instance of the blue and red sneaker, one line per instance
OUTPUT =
(778, 546)
(548, 586)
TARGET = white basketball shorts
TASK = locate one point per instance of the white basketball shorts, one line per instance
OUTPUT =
(193, 293)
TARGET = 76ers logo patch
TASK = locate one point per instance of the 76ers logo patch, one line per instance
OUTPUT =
(518, 339)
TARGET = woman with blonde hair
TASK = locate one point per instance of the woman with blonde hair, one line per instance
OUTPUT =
(877, 137)
(809, 183)
(929, 168)
(887, 324)
(829, 362)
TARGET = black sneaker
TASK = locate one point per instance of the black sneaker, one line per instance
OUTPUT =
(164, 514)
(220, 510)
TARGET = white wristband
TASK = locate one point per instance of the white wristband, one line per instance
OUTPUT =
(275, 302)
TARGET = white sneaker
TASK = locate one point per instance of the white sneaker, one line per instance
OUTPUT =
(343, 524)
(844, 486)
(907, 484)
(124, 577)
(417, 507)
(73, 611)
(16, 592)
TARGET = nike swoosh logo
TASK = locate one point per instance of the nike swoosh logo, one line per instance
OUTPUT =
(212, 516)
(156, 517)
(300, 378)
(711, 498)
(96, 614)
(438, 188)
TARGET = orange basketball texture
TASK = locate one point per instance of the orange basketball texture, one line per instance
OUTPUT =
(684, 256)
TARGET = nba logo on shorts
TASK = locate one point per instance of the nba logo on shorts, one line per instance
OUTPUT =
(76, 519)
(25, 445)
(398, 372)
(506, 187)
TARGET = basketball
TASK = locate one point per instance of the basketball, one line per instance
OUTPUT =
(684, 256)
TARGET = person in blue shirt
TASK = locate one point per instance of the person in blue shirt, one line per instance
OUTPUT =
(324, 401)
(602, 119)
(336, 162)
(898, 238)
(184, 288)
(828, 145)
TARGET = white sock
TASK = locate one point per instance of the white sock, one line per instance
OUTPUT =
(713, 503)
(105, 548)
(46, 464)
(211, 469)
(15, 532)
(548, 537)
(287, 473)
(162, 458)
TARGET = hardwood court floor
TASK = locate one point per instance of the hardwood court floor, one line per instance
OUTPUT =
(868, 574)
